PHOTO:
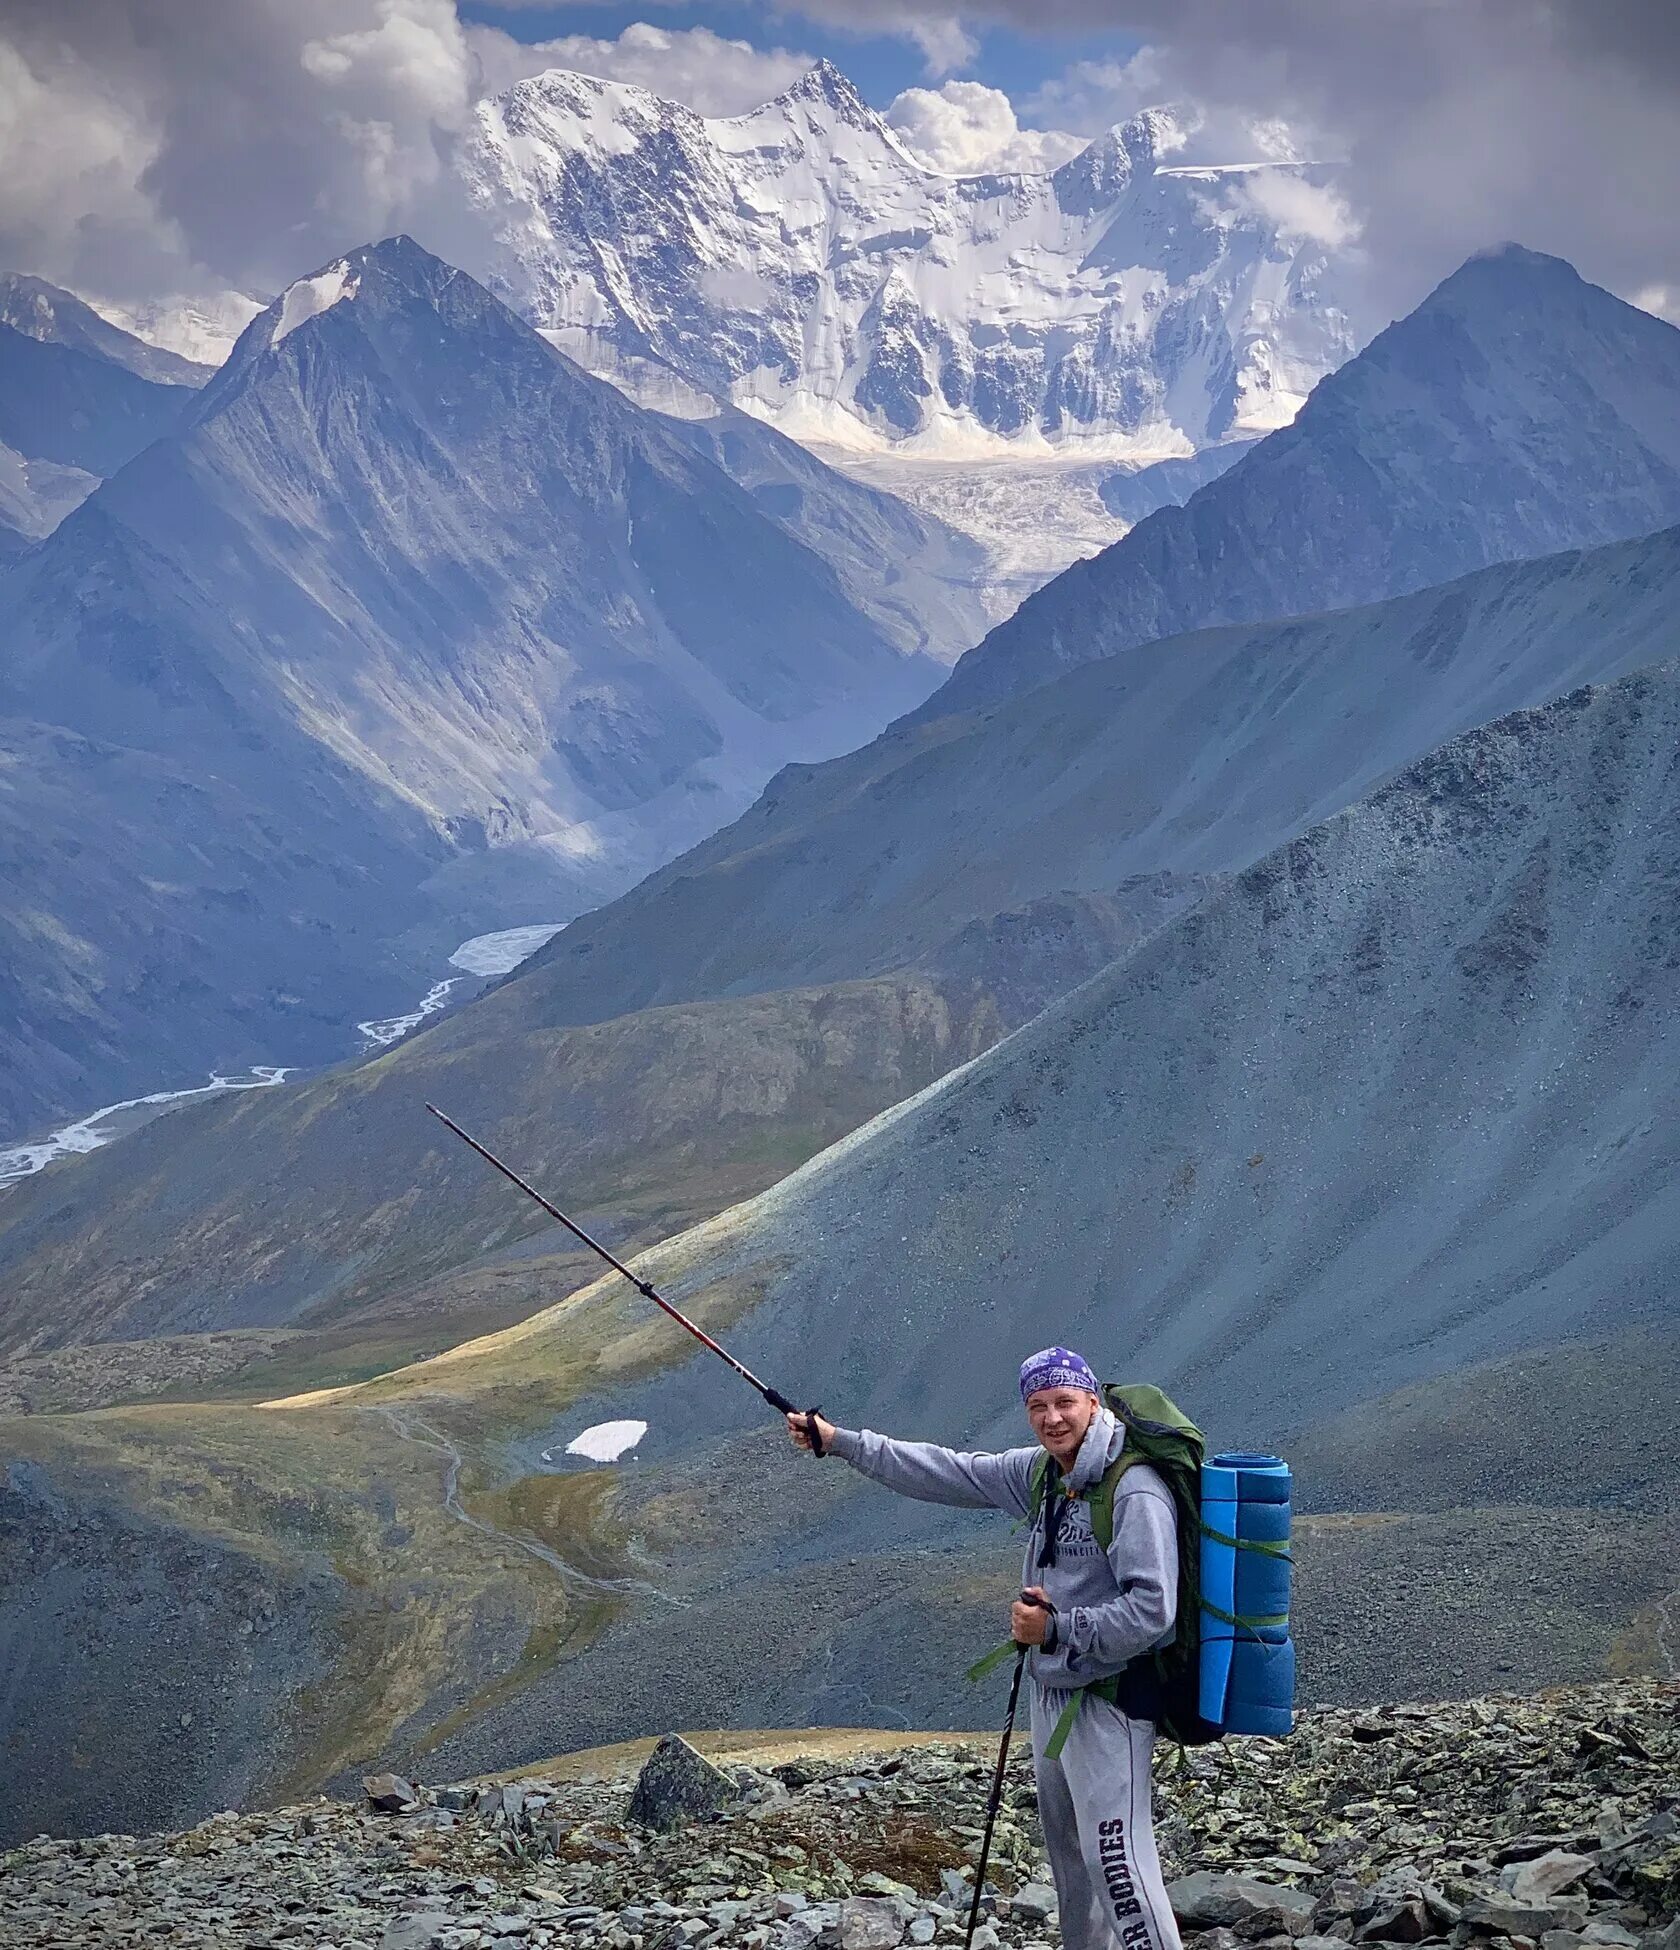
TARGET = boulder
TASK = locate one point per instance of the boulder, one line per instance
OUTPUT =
(678, 1785)
(1034, 1903)
(1545, 1876)
(390, 1793)
(870, 1923)
(418, 1932)
(1500, 1916)
(1208, 1900)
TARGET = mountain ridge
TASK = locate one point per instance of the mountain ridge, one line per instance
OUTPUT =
(825, 277)
(413, 587)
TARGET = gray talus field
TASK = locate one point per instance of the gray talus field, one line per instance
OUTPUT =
(1394, 1100)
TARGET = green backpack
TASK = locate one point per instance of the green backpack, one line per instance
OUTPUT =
(1161, 1434)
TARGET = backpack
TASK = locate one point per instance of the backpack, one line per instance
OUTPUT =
(1162, 1435)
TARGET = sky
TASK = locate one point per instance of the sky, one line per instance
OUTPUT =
(157, 149)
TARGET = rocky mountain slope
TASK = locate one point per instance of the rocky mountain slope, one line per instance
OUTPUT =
(342, 1208)
(799, 261)
(885, 866)
(421, 589)
(53, 316)
(78, 398)
(1192, 755)
(1517, 411)
(1387, 1107)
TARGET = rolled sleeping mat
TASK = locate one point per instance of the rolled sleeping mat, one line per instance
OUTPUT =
(1247, 1660)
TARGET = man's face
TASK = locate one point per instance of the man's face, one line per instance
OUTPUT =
(1060, 1417)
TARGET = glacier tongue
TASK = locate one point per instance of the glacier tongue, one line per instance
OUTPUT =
(801, 263)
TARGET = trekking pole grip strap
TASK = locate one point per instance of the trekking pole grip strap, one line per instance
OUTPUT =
(813, 1429)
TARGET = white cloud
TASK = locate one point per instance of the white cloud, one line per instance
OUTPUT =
(225, 145)
(1301, 208)
(967, 129)
(945, 43)
(710, 73)
(1663, 300)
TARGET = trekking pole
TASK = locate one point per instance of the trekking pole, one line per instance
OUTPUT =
(773, 1396)
(995, 1799)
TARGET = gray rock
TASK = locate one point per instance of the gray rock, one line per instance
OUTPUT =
(1499, 1916)
(677, 1785)
(870, 1923)
(1205, 1900)
(1548, 1875)
(1615, 1935)
(1034, 1903)
(419, 1932)
(924, 1928)
(390, 1793)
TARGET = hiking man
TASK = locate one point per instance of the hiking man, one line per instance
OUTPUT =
(1095, 1614)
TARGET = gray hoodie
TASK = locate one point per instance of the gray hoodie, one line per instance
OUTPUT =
(1108, 1608)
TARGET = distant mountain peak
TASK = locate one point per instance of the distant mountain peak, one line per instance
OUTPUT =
(53, 316)
(800, 262)
(828, 84)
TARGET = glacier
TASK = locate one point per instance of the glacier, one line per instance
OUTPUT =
(802, 263)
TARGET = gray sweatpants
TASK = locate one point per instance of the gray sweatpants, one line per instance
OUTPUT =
(1094, 1802)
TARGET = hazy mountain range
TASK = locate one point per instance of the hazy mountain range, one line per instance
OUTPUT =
(404, 586)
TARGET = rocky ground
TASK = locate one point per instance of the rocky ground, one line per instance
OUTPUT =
(1501, 1824)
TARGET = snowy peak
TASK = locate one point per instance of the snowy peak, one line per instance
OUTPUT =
(826, 87)
(801, 263)
(43, 312)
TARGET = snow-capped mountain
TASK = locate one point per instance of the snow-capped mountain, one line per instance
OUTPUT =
(43, 311)
(1518, 410)
(78, 398)
(800, 262)
(415, 593)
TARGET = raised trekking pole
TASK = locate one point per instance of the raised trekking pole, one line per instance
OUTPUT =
(773, 1396)
(994, 1800)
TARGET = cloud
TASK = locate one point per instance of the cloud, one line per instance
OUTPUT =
(198, 145)
(1453, 124)
(692, 65)
(967, 129)
(1301, 208)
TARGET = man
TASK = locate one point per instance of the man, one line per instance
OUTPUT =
(1096, 1614)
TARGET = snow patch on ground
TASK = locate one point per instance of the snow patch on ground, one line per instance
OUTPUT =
(309, 297)
(607, 1441)
(501, 953)
(116, 1120)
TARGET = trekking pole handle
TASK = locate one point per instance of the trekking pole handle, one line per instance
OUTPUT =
(813, 1432)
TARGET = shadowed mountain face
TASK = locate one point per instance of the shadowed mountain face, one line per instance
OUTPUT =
(78, 398)
(1193, 756)
(413, 587)
(1517, 411)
